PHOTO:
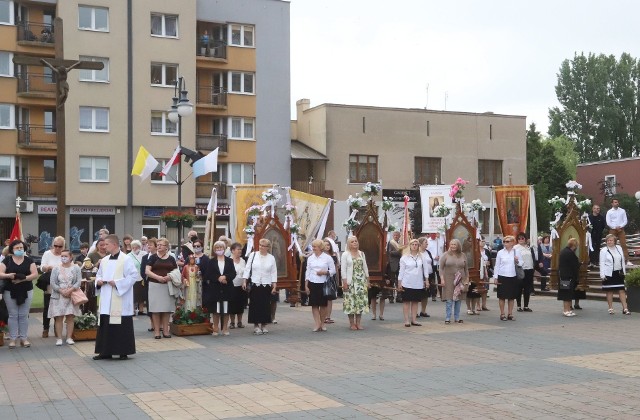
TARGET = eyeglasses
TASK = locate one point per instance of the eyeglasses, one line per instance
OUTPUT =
(57, 246)
(507, 241)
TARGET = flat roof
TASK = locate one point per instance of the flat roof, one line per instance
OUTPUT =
(601, 162)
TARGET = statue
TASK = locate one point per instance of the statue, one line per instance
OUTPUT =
(61, 79)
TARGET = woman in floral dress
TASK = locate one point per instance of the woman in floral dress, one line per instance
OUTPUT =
(65, 278)
(355, 282)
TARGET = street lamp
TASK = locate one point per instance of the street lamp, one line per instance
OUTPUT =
(181, 108)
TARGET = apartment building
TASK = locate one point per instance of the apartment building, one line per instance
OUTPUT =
(338, 148)
(232, 57)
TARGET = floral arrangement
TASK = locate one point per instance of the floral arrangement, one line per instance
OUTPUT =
(4, 328)
(249, 230)
(558, 203)
(573, 185)
(457, 188)
(584, 205)
(387, 204)
(288, 208)
(184, 316)
(356, 202)
(475, 205)
(172, 215)
(372, 189)
(392, 228)
(85, 322)
(442, 210)
(272, 195)
(350, 224)
(294, 228)
(254, 211)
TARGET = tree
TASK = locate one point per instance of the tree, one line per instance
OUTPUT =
(599, 106)
(565, 152)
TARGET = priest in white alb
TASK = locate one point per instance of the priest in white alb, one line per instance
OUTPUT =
(114, 285)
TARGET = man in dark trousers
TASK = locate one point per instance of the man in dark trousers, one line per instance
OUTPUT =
(598, 223)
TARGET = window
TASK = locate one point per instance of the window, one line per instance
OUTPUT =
(6, 12)
(363, 168)
(489, 172)
(6, 63)
(242, 128)
(236, 173)
(170, 178)
(94, 169)
(427, 171)
(49, 121)
(95, 75)
(160, 123)
(610, 185)
(94, 119)
(7, 116)
(164, 25)
(164, 74)
(49, 166)
(93, 18)
(241, 82)
(6, 167)
(241, 35)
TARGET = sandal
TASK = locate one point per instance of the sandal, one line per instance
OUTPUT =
(447, 322)
(25, 343)
(166, 336)
(12, 345)
(240, 325)
(381, 318)
(503, 318)
(407, 325)
(626, 312)
(484, 308)
(611, 311)
(373, 318)
(158, 337)
(459, 321)
(416, 324)
(232, 325)
(510, 318)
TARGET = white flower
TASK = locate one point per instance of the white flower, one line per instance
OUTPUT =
(573, 185)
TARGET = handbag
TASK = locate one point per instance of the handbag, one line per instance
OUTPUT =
(564, 284)
(78, 297)
(519, 271)
(329, 289)
(43, 281)
(250, 271)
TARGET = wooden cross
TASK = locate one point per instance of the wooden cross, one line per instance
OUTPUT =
(61, 67)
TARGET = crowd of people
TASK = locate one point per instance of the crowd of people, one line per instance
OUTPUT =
(136, 277)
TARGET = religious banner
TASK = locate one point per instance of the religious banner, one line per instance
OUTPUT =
(512, 205)
(310, 215)
(431, 196)
(243, 197)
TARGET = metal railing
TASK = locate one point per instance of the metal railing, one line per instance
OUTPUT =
(36, 187)
(213, 49)
(211, 95)
(211, 141)
(36, 32)
(203, 189)
(36, 135)
(36, 82)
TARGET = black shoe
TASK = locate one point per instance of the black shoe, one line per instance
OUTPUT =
(123, 357)
(519, 309)
(101, 357)
(390, 300)
(527, 310)
(577, 307)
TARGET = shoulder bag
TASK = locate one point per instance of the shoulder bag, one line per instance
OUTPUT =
(330, 289)
(564, 284)
(250, 271)
(519, 270)
(78, 297)
(43, 281)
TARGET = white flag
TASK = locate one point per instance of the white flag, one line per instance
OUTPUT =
(207, 164)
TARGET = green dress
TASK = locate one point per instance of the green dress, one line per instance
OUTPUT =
(355, 298)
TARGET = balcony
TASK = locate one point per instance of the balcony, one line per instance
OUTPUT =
(212, 49)
(203, 189)
(36, 84)
(313, 187)
(211, 141)
(214, 96)
(33, 33)
(36, 136)
(36, 187)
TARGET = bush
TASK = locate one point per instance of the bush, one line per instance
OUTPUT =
(632, 278)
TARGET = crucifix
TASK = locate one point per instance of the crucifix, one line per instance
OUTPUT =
(61, 68)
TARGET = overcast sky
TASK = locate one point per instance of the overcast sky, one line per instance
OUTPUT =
(495, 55)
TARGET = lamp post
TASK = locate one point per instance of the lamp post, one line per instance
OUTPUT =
(181, 108)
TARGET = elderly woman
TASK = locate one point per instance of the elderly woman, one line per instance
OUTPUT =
(320, 268)
(453, 274)
(239, 298)
(505, 272)
(136, 255)
(612, 272)
(65, 278)
(217, 287)
(161, 303)
(262, 273)
(355, 281)
(18, 272)
(568, 270)
(412, 282)
(50, 259)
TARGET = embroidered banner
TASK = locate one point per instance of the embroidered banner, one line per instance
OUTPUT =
(245, 196)
(311, 210)
(512, 204)
(431, 196)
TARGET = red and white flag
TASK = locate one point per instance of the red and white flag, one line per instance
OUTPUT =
(406, 223)
(175, 159)
(16, 233)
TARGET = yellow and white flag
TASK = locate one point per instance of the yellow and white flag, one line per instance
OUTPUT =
(144, 164)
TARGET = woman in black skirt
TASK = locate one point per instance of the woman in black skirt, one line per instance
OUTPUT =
(568, 269)
(320, 268)
(262, 274)
(240, 298)
(505, 271)
(612, 272)
(217, 287)
(412, 282)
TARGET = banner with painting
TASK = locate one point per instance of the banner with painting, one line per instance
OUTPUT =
(243, 197)
(311, 215)
(432, 196)
(512, 205)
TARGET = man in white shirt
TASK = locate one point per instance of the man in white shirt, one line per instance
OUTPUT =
(435, 245)
(616, 221)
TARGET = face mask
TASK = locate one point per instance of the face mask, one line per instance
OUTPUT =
(136, 252)
(197, 249)
(18, 252)
(64, 260)
(219, 252)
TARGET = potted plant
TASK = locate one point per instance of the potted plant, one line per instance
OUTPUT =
(4, 330)
(191, 322)
(632, 281)
(85, 327)
(172, 218)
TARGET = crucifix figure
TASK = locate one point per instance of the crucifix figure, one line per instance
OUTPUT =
(61, 68)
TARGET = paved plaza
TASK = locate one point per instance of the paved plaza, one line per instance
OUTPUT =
(541, 365)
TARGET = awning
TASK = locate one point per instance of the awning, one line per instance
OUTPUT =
(304, 152)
